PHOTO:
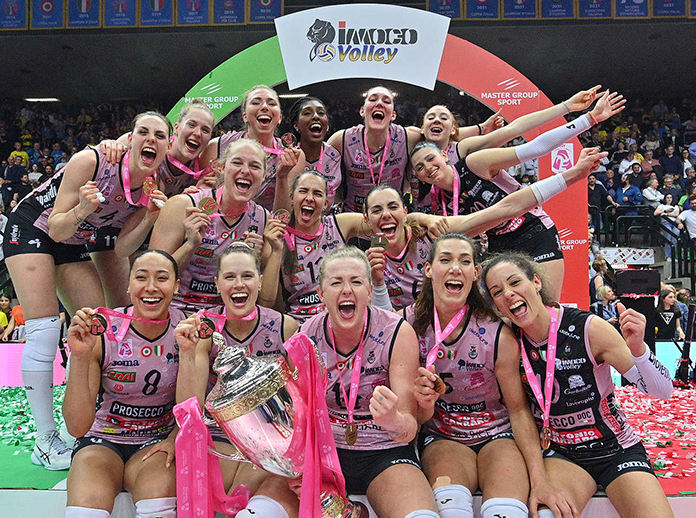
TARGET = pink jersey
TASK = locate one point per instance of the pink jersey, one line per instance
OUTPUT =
(357, 171)
(403, 275)
(138, 385)
(174, 180)
(265, 340)
(197, 287)
(266, 194)
(302, 300)
(330, 160)
(471, 411)
(111, 212)
(382, 329)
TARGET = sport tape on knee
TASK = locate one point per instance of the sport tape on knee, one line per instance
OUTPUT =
(422, 513)
(454, 501)
(547, 142)
(504, 508)
(42, 342)
(85, 512)
(156, 508)
(261, 506)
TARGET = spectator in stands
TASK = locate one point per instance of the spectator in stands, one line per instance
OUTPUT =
(601, 278)
(684, 203)
(599, 197)
(668, 215)
(57, 153)
(5, 311)
(12, 180)
(16, 323)
(651, 164)
(687, 162)
(689, 180)
(619, 154)
(651, 195)
(688, 218)
(605, 306)
(672, 139)
(23, 188)
(637, 177)
(625, 166)
(651, 143)
(628, 194)
(692, 149)
(667, 324)
(671, 164)
(18, 152)
(668, 187)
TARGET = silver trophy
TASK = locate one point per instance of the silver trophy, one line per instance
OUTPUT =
(252, 402)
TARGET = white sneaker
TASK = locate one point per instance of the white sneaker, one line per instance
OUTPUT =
(51, 452)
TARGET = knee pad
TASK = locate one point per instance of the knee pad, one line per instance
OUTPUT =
(261, 506)
(42, 343)
(422, 513)
(156, 508)
(454, 501)
(85, 512)
(504, 508)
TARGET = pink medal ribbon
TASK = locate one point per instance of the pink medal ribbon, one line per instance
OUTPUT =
(409, 233)
(221, 318)
(315, 446)
(435, 191)
(544, 399)
(273, 150)
(184, 169)
(199, 487)
(144, 198)
(218, 198)
(290, 234)
(127, 317)
(440, 335)
(385, 157)
(355, 376)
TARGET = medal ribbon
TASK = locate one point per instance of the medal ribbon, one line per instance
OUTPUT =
(144, 198)
(403, 252)
(290, 234)
(355, 376)
(127, 317)
(221, 318)
(184, 169)
(385, 156)
(274, 150)
(199, 486)
(544, 404)
(441, 336)
(218, 199)
(435, 191)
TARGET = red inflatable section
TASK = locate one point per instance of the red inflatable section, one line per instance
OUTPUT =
(498, 85)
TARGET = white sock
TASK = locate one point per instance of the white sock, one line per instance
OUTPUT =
(85, 512)
(37, 369)
(156, 508)
(504, 508)
(454, 501)
(422, 513)
(261, 506)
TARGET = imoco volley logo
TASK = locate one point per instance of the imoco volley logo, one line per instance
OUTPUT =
(357, 44)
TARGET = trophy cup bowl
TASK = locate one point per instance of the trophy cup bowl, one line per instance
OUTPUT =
(253, 403)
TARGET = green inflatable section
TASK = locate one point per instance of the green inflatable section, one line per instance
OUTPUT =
(222, 89)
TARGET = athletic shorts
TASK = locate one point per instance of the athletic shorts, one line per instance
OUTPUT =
(360, 467)
(425, 439)
(21, 237)
(104, 239)
(125, 451)
(542, 243)
(605, 470)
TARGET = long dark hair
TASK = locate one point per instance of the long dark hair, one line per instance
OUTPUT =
(423, 308)
(296, 109)
(417, 232)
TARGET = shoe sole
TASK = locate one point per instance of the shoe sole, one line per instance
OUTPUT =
(38, 462)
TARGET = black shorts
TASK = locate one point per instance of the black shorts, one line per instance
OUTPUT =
(125, 451)
(542, 243)
(605, 470)
(21, 237)
(425, 439)
(360, 468)
(104, 239)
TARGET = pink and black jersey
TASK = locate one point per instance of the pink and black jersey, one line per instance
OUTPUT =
(358, 179)
(403, 275)
(481, 193)
(174, 180)
(429, 205)
(302, 300)
(266, 194)
(197, 287)
(37, 206)
(138, 385)
(330, 160)
(585, 421)
(472, 410)
(382, 329)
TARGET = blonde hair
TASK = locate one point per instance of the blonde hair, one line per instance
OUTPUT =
(344, 252)
(196, 103)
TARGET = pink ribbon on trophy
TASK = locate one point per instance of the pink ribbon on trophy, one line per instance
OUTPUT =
(320, 466)
(199, 488)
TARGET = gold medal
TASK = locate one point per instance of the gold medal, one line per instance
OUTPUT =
(289, 139)
(379, 242)
(282, 215)
(98, 325)
(351, 434)
(440, 386)
(149, 186)
(545, 437)
(208, 205)
(206, 329)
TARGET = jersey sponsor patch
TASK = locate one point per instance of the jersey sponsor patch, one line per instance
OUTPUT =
(576, 436)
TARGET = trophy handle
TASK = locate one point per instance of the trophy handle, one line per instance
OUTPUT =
(237, 456)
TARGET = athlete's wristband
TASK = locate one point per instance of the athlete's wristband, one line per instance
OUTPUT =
(548, 188)
(650, 376)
